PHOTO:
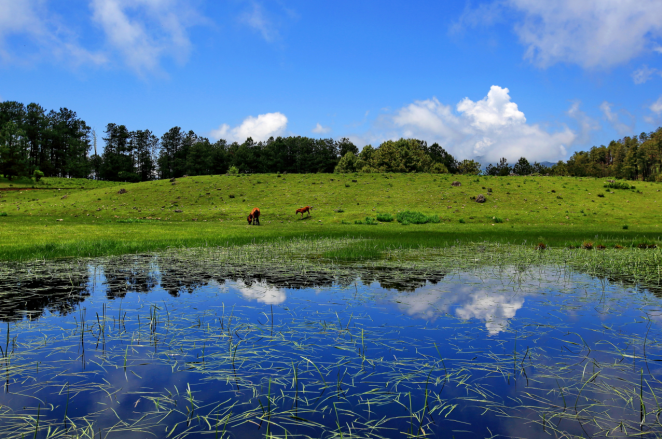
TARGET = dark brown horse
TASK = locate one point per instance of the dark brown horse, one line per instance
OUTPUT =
(254, 217)
(304, 210)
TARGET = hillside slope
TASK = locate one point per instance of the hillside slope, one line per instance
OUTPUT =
(515, 200)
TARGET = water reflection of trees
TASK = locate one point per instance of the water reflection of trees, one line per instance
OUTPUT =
(60, 288)
(35, 293)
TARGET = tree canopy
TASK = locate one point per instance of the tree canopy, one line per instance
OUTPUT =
(60, 144)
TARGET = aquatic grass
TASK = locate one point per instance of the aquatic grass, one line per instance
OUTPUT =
(264, 359)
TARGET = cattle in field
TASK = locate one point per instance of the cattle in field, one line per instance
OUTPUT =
(304, 210)
(254, 217)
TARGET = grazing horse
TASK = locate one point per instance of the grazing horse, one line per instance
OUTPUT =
(304, 210)
(254, 217)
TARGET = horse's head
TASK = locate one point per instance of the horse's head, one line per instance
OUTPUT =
(250, 219)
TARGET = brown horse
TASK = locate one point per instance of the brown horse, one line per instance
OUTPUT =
(254, 217)
(304, 210)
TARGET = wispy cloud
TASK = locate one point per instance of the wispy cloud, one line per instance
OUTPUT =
(145, 31)
(590, 33)
(615, 118)
(257, 19)
(258, 128)
(48, 36)
(586, 123)
(644, 73)
(656, 109)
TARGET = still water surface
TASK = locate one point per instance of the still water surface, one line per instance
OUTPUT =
(136, 353)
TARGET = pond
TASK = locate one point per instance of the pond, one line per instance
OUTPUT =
(137, 348)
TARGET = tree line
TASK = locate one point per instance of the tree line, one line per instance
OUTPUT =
(60, 144)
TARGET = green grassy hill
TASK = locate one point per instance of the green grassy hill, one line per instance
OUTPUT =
(559, 210)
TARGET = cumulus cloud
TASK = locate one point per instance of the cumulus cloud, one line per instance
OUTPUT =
(614, 118)
(144, 31)
(490, 128)
(258, 128)
(590, 33)
(261, 292)
(319, 129)
(47, 35)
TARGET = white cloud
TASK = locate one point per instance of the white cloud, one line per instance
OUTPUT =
(614, 118)
(319, 129)
(144, 31)
(590, 33)
(644, 73)
(490, 128)
(257, 19)
(258, 128)
(47, 35)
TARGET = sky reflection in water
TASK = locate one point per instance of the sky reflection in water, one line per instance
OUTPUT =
(512, 353)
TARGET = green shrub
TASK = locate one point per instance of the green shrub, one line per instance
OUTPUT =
(233, 170)
(384, 217)
(358, 222)
(370, 221)
(601, 195)
(619, 185)
(462, 221)
(37, 174)
(625, 227)
(416, 218)
(3, 213)
(497, 220)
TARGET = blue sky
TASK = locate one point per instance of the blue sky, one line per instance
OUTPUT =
(488, 79)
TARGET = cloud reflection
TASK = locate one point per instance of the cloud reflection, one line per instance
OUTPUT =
(465, 301)
(262, 292)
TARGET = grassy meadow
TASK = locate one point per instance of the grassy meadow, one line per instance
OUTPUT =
(77, 217)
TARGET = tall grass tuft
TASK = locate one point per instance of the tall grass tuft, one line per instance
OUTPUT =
(409, 217)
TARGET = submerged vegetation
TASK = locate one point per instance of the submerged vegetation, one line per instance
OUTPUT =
(243, 342)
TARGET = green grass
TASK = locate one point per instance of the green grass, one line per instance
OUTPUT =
(97, 220)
